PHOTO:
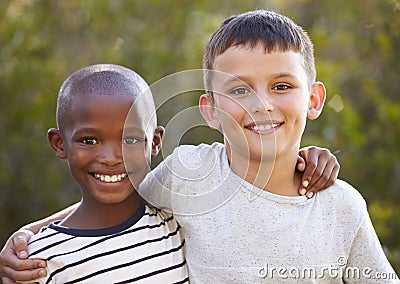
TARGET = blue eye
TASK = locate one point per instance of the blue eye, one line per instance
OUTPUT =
(130, 140)
(240, 91)
(90, 141)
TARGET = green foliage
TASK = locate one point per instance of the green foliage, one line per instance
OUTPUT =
(42, 42)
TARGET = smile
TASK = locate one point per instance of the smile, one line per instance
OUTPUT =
(262, 127)
(110, 179)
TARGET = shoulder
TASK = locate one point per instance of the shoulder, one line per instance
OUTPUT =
(191, 156)
(44, 232)
(343, 190)
(163, 216)
(156, 213)
(40, 243)
(196, 151)
(343, 198)
(199, 158)
(161, 221)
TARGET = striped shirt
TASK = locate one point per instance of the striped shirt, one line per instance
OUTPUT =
(147, 248)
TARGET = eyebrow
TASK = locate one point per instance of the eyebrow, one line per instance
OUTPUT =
(284, 75)
(86, 129)
(233, 80)
(277, 76)
(133, 129)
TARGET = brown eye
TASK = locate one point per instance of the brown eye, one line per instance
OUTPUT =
(281, 87)
(90, 141)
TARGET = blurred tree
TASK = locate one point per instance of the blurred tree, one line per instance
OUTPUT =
(42, 42)
(356, 58)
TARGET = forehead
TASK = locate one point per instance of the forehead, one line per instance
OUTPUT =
(131, 110)
(100, 107)
(251, 60)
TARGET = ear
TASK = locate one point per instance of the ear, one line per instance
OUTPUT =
(207, 110)
(157, 140)
(56, 143)
(317, 100)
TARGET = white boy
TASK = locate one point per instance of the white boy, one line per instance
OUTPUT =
(245, 227)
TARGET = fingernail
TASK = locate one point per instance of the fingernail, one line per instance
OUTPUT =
(303, 191)
(305, 183)
(42, 273)
(23, 254)
(310, 194)
(42, 264)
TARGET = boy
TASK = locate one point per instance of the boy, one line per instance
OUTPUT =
(112, 236)
(260, 73)
(327, 162)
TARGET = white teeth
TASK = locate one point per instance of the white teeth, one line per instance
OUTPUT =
(113, 178)
(264, 127)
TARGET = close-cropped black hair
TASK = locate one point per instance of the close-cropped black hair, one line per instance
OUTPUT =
(101, 79)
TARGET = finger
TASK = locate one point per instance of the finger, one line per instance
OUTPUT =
(326, 174)
(309, 171)
(10, 263)
(327, 178)
(24, 275)
(313, 186)
(20, 243)
(6, 280)
(21, 247)
(335, 173)
(318, 178)
(301, 164)
(27, 264)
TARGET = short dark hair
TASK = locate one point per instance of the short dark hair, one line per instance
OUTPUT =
(274, 31)
(100, 79)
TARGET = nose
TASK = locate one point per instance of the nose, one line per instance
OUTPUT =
(261, 102)
(110, 154)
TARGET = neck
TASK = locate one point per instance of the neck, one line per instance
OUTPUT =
(276, 175)
(94, 215)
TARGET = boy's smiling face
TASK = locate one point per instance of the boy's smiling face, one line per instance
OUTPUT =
(263, 108)
(92, 141)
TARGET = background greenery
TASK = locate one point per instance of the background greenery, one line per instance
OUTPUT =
(42, 42)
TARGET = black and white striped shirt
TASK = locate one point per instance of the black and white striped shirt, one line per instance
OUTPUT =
(147, 248)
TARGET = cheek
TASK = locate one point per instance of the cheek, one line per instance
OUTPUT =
(78, 162)
(296, 109)
(78, 157)
(298, 116)
(136, 159)
(137, 166)
(229, 111)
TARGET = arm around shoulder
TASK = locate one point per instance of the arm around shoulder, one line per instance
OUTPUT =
(36, 226)
(14, 265)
